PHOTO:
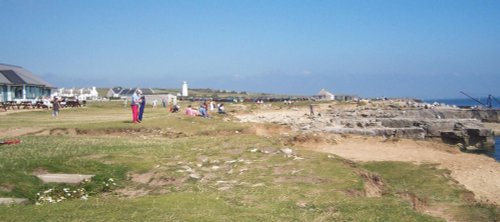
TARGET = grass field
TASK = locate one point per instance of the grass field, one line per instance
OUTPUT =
(177, 168)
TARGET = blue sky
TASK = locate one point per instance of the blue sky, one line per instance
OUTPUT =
(424, 49)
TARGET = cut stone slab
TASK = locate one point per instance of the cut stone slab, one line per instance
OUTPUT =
(8, 201)
(63, 178)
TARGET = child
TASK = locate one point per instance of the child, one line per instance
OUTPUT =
(55, 107)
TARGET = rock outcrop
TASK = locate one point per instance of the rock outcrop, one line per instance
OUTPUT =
(451, 125)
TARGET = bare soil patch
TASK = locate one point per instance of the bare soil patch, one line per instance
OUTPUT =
(115, 132)
(418, 204)
(132, 193)
(148, 183)
(16, 132)
(63, 132)
(156, 179)
(268, 129)
(374, 186)
(39, 171)
(123, 132)
(11, 111)
(311, 140)
(7, 187)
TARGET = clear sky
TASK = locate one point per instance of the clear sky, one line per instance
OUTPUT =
(424, 49)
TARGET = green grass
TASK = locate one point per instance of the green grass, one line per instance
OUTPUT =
(435, 187)
(425, 181)
(235, 183)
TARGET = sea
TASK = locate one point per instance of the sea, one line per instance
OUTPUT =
(464, 102)
(469, 102)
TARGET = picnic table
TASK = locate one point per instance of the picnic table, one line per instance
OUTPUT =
(12, 105)
(3, 106)
(40, 105)
(72, 104)
(26, 105)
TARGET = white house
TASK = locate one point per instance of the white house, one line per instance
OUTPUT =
(324, 95)
(169, 99)
(79, 93)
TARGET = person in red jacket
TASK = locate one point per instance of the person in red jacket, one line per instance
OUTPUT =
(134, 104)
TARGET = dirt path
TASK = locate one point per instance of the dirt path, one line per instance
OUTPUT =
(478, 173)
(19, 131)
(3, 113)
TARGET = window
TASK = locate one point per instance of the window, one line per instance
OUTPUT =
(17, 92)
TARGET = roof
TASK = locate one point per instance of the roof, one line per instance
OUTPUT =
(130, 91)
(116, 90)
(323, 92)
(16, 75)
(147, 91)
(76, 90)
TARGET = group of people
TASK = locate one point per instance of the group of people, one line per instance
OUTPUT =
(137, 103)
(204, 109)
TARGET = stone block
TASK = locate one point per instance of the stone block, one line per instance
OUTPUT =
(63, 178)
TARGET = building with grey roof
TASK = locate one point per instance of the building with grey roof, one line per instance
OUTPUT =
(124, 93)
(19, 84)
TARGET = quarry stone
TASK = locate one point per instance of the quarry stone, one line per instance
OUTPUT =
(63, 178)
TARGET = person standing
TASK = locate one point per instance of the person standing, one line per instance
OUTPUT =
(164, 102)
(141, 109)
(55, 107)
(134, 102)
(155, 102)
(311, 110)
(212, 105)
